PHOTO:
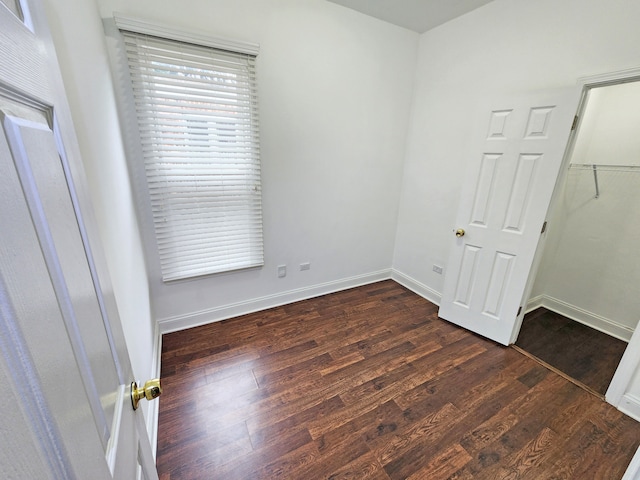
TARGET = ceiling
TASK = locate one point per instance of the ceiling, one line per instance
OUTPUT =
(416, 15)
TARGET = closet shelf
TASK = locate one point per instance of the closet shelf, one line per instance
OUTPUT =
(605, 168)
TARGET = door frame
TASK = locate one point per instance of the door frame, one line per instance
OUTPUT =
(630, 361)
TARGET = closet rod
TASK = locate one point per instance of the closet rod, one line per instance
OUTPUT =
(606, 168)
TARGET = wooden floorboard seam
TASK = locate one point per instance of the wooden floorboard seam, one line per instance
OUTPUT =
(558, 372)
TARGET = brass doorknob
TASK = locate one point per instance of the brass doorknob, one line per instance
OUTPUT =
(460, 232)
(152, 389)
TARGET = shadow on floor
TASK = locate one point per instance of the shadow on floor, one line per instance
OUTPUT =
(583, 353)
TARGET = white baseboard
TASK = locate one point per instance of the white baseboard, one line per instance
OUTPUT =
(630, 405)
(580, 315)
(182, 322)
(533, 303)
(417, 287)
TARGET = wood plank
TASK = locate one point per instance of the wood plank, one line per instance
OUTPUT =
(370, 384)
(365, 467)
(529, 458)
(444, 464)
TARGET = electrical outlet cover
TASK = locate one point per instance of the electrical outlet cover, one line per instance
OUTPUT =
(282, 271)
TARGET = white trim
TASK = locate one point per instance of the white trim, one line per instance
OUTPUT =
(533, 303)
(145, 459)
(154, 407)
(27, 18)
(416, 287)
(630, 405)
(164, 31)
(631, 359)
(112, 447)
(194, 319)
(602, 79)
(593, 320)
(625, 371)
(633, 470)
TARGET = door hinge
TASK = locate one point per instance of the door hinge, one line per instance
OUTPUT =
(519, 311)
(575, 123)
(544, 227)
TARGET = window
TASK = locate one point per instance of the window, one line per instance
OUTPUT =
(197, 114)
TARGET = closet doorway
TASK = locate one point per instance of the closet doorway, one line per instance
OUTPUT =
(584, 305)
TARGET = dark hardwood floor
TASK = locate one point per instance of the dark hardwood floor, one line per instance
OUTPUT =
(586, 355)
(369, 384)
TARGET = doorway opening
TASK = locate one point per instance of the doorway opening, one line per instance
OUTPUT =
(584, 306)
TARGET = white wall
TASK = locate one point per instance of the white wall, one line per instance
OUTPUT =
(590, 263)
(79, 40)
(335, 92)
(608, 133)
(506, 46)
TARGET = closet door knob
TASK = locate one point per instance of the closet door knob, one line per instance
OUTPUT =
(460, 232)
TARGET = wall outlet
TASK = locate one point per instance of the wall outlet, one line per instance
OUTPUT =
(437, 269)
(305, 266)
(282, 271)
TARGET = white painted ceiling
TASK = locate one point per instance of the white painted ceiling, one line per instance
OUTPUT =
(416, 15)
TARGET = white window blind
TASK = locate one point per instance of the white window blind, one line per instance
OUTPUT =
(197, 113)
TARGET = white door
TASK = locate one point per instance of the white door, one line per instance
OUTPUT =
(518, 150)
(65, 408)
